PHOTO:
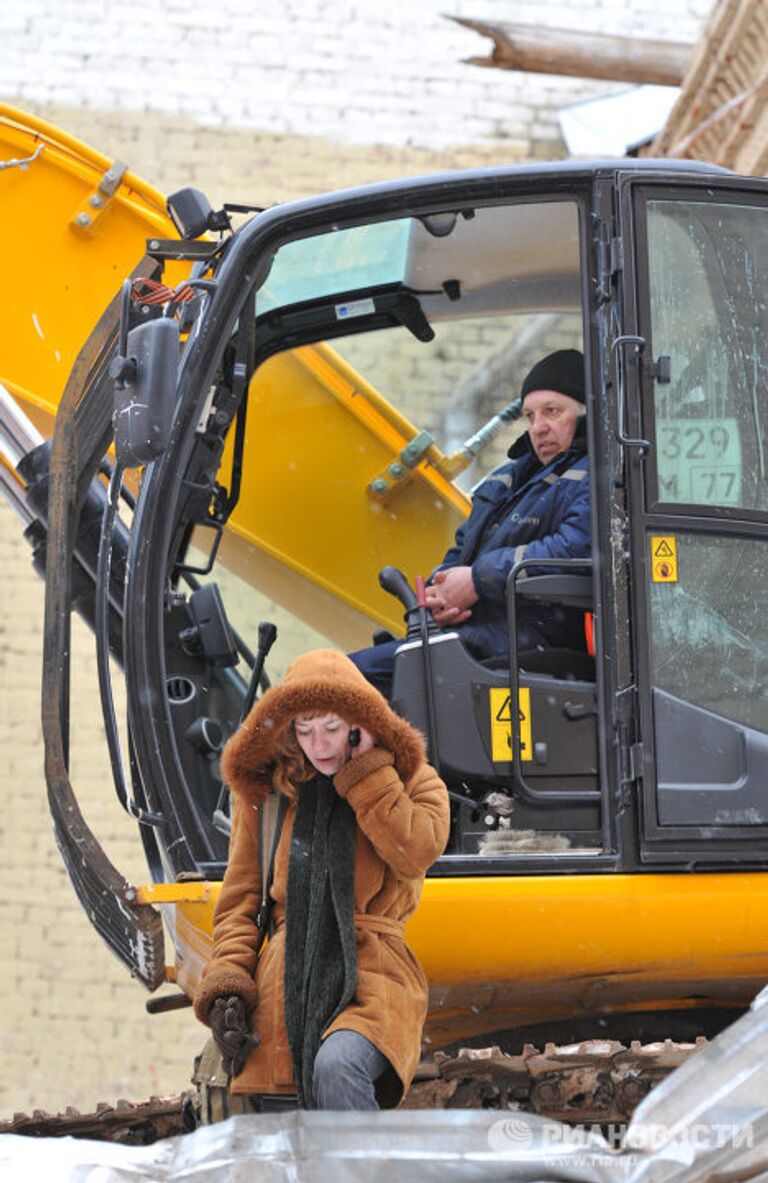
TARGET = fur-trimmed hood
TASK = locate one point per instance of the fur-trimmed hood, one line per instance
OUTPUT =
(321, 680)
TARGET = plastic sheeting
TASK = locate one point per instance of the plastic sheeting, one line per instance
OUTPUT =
(612, 124)
(707, 1121)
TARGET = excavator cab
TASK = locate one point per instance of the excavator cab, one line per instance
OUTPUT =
(309, 404)
(554, 765)
(400, 296)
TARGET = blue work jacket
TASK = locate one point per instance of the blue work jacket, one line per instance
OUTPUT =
(521, 510)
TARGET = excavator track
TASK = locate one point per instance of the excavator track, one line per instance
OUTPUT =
(597, 1081)
(126, 1122)
(594, 1082)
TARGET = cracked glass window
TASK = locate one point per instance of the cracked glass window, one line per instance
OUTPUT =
(708, 316)
(710, 627)
(709, 599)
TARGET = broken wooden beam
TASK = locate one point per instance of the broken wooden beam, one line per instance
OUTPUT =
(538, 50)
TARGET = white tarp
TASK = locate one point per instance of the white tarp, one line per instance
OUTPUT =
(612, 124)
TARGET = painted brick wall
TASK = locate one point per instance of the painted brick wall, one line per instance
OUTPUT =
(360, 72)
(260, 103)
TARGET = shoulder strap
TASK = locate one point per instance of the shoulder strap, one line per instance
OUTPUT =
(265, 907)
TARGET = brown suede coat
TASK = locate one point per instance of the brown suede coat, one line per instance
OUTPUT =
(402, 814)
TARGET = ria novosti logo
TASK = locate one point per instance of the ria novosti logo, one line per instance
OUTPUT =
(516, 1133)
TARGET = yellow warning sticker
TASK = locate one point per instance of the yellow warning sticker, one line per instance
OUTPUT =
(663, 558)
(501, 724)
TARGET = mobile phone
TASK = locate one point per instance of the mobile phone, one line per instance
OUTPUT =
(354, 737)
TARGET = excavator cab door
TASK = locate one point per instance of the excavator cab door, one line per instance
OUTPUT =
(690, 374)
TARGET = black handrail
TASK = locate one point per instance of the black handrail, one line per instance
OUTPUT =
(561, 567)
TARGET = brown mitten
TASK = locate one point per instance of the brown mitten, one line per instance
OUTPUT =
(229, 1025)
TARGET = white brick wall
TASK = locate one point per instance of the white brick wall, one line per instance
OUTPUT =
(365, 72)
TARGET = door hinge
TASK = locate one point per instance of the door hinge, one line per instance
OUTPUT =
(636, 762)
(610, 260)
(603, 250)
(617, 255)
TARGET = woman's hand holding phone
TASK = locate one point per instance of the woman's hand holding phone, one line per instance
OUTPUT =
(359, 741)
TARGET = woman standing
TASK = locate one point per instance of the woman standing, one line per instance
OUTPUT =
(334, 1007)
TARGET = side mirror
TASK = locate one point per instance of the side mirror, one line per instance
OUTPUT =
(192, 214)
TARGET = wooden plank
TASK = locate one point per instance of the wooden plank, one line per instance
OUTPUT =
(539, 50)
(721, 112)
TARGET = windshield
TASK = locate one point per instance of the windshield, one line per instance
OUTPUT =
(505, 258)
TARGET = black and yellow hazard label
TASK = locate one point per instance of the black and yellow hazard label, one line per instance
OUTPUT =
(501, 724)
(663, 558)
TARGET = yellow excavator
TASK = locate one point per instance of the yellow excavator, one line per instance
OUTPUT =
(203, 408)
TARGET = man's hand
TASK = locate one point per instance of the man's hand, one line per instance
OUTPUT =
(229, 1027)
(451, 595)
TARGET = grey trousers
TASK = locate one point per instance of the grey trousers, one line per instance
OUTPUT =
(346, 1067)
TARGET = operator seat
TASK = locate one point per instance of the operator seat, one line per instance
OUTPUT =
(463, 706)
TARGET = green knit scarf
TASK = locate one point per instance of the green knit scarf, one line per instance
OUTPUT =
(320, 953)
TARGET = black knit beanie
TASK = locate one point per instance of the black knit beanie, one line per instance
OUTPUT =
(562, 371)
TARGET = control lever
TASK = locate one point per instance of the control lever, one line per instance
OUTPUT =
(417, 615)
(426, 625)
(267, 638)
(394, 582)
(420, 624)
